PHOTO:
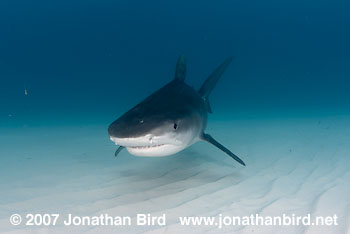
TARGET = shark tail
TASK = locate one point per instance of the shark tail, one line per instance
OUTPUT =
(210, 83)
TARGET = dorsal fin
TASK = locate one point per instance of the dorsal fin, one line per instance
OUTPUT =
(180, 72)
(212, 80)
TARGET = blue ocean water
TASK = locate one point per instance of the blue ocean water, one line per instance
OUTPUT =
(96, 56)
(72, 67)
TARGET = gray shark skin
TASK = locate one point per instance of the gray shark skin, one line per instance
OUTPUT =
(169, 120)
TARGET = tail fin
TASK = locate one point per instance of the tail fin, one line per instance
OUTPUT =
(211, 81)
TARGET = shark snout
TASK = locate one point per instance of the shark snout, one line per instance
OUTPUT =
(134, 128)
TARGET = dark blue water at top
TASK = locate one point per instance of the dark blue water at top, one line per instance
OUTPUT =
(105, 56)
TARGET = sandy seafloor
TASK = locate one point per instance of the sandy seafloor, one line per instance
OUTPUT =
(295, 165)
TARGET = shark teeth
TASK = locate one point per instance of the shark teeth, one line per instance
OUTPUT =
(146, 146)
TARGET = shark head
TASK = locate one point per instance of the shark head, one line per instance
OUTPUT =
(157, 127)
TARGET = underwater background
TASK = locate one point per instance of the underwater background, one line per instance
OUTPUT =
(96, 56)
(70, 68)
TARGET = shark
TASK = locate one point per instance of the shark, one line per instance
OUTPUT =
(171, 119)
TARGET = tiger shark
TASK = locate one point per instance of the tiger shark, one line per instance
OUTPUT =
(169, 120)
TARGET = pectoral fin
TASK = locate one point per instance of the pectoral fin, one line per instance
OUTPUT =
(118, 150)
(212, 141)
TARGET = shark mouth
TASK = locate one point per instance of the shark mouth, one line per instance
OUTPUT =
(148, 146)
(145, 142)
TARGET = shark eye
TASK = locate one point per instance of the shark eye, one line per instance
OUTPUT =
(175, 126)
